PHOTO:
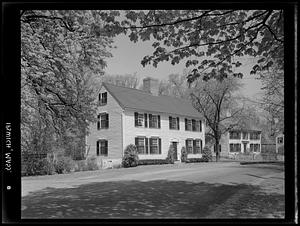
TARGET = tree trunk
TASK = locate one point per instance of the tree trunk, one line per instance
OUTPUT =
(217, 151)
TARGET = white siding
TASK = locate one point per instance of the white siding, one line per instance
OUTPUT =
(166, 135)
(113, 134)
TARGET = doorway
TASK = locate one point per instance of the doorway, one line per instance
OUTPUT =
(174, 144)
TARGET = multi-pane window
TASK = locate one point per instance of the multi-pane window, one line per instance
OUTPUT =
(193, 125)
(154, 146)
(254, 136)
(102, 148)
(279, 140)
(189, 146)
(235, 148)
(103, 98)
(140, 119)
(103, 121)
(198, 125)
(146, 145)
(254, 147)
(197, 146)
(174, 123)
(245, 135)
(141, 146)
(154, 121)
(188, 124)
(234, 135)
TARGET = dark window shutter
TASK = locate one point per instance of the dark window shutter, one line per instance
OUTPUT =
(98, 148)
(145, 119)
(185, 120)
(106, 147)
(170, 122)
(186, 145)
(200, 125)
(178, 122)
(98, 123)
(194, 146)
(135, 119)
(107, 120)
(147, 145)
(159, 145)
(158, 118)
(136, 142)
(200, 145)
(150, 120)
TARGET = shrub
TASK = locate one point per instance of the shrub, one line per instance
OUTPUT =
(183, 154)
(81, 165)
(191, 160)
(130, 158)
(153, 161)
(207, 155)
(39, 167)
(64, 165)
(170, 156)
(91, 163)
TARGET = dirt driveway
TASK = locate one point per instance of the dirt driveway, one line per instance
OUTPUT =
(199, 190)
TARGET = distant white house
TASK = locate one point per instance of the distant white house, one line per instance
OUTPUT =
(141, 117)
(241, 141)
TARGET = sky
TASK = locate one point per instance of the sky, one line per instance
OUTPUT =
(127, 58)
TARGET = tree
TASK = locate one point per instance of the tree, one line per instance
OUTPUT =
(212, 37)
(273, 97)
(214, 101)
(128, 80)
(61, 51)
(175, 86)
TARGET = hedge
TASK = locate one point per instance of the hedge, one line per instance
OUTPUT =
(191, 160)
(153, 161)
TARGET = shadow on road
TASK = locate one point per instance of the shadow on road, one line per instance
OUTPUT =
(151, 199)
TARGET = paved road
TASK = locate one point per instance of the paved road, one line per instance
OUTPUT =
(200, 190)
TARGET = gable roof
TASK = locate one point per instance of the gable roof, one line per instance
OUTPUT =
(135, 99)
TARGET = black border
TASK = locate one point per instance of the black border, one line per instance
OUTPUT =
(10, 60)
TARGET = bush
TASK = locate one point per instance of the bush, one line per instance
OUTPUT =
(183, 154)
(80, 165)
(64, 165)
(191, 160)
(130, 158)
(207, 155)
(170, 156)
(153, 161)
(91, 163)
(39, 167)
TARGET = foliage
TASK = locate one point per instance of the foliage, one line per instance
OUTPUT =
(80, 165)
(175, 86)
(92, 163)
(153, 161)
(212, 37)
(64, 165)
(61, 52)
(184, 154)
(38, 167)
(215, 102)
(170, 156)
(192, 160)
(127, 80)
(207, 155)
(273, 97)
(130, 158)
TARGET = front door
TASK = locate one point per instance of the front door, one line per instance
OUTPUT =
(175, 150)
(245, 147)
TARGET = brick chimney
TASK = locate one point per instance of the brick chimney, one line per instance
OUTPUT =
(151, 85)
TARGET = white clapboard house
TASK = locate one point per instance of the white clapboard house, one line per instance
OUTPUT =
(142, 117)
